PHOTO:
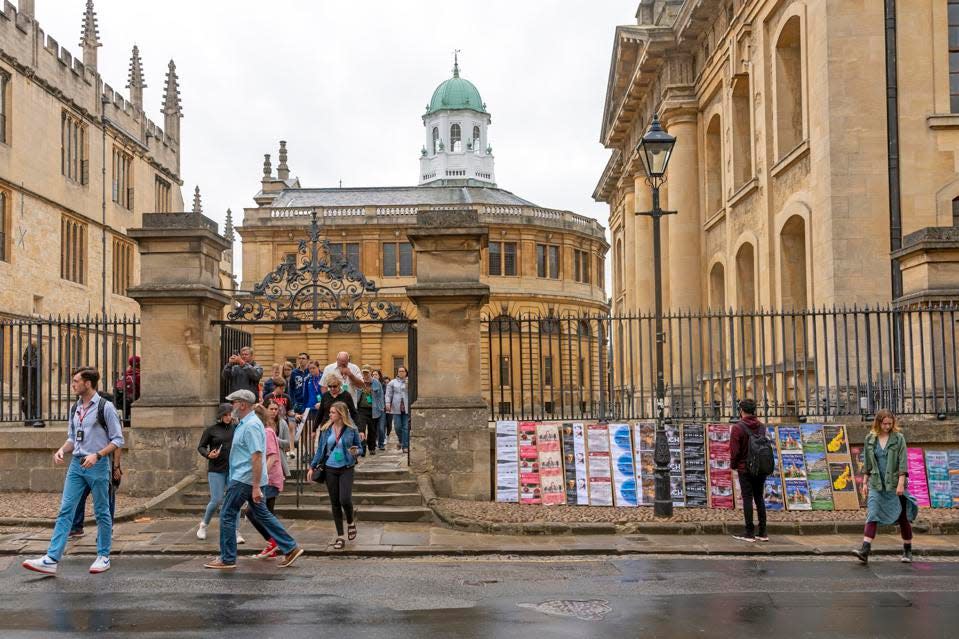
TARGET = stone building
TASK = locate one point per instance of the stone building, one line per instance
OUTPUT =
(538, 261)
(64, 247)
(781, 174)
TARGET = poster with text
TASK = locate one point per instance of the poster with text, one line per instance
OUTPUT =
(694, 465)
(551, 477)
(937, 473)
(773, 488)
(644, 440)
(797, 495)
(598, 465)
(843, 486)
(579, 450)
(954, 476)
(677, 488)
(507, 461)
(719, 474)
(812, 438)
(918, 487)
(792, 464)
(837, 442)
(574, 465)
(624, 472)
(858, 471)
(790, 440)
(530, 491)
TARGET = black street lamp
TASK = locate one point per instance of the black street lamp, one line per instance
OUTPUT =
(655, 149)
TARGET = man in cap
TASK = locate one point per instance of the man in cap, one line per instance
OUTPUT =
(247, 477)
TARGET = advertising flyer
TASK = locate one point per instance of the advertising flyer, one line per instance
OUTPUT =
(918, 487)
(624, 473)
(677, 489)
(837, 443)
(790, 441)
(954, 476)
(858, 468)
(812, 438)
(644, 439)
(820, 491)
(598, 465)
(937, 473)
(720, 476)
(797, 495)
(551, 478)
(569, 464)
(507, 461)
(694, 461)
(579, 455)
(792, 463)
(843, 486)
(530, 491)
(773, 488)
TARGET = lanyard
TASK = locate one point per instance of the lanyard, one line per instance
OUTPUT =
(315, 383)
(82, 413)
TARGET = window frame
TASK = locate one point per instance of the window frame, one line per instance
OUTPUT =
(122, 178)
(122, 265)
(4, 220)
(456, 138)
(162, 195)
(340, 250)
(4, 105)
(952, 46)
(74, 163)
(73, 250)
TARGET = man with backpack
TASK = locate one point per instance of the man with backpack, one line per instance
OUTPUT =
(751, 453)
(89, 445)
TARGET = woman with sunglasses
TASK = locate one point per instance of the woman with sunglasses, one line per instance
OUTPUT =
(338, 445)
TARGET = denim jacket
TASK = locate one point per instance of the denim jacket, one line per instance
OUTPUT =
(350, 438)
(379, 400)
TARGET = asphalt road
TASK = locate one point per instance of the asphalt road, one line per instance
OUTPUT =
(491, 597)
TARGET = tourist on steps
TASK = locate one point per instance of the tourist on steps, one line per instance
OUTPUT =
(339, 444)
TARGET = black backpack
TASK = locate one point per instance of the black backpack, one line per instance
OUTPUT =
(760, 456)
(102, 421)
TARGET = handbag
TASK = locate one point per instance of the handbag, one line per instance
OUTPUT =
(320, 477)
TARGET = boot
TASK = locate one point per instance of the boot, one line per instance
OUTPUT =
(906, 553)
(863, 553)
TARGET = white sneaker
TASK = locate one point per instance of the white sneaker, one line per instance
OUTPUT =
(240, 539)
(100, 564)
(201, 531)
(42, 564)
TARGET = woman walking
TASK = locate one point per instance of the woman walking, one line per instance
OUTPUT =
(215, 445)
(379, 408)
(398, 405)
(339, 444)
(886, 487)
(274, 473)
(334, 393)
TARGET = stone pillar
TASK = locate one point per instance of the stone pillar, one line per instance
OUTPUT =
(642, 238)
(180, 367)
(450, 432)
(629, 254)
(682, 272)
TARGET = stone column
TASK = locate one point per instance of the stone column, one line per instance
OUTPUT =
(450, 432)
(180, 367)
(629, 254)
(642, 238)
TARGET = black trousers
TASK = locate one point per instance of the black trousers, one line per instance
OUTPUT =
(752, 491)
(367, 425)
(339, 484)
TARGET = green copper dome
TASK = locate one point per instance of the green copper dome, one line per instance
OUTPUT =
(456, 93)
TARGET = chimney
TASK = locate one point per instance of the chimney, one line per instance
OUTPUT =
(282, 170)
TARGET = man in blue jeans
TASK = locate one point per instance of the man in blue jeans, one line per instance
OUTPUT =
(90, 444)
(247, 479)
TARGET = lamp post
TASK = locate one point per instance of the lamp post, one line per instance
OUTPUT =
(654, 150)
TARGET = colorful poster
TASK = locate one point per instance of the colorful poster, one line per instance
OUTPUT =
(843, 486)
(530, 491)
(816, 466)
(812, 438)
(937, 473)
(792, 463)
(579, 450)
(797, 495)
(624, 473)
(550, 464)
(694, 464)
(837, 442)
(598, 465)
(574, 465)
(790, 441)
(918, 487)
(794, 466)
(720, 475)
(954, 476)
(507, 461)
(677, 489)
(644, 437)
(773, 488)
(858, 471)
(820, 491)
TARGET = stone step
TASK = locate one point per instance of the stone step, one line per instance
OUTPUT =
(360, 485)
(316, 498)
(364, 513)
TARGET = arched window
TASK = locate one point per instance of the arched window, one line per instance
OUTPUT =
(477, 144)
(742, 133)
(955, 211)
(718, 345)
(618, 268)
(714, 166)
(456, 139)
(717, 287)
(436, 140)
(789, 98)
(746, 295)
(793, 277)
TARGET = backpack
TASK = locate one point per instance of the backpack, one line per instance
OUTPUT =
(102, 421)
(760, 457)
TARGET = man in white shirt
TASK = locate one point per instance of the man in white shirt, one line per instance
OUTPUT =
(348, 373)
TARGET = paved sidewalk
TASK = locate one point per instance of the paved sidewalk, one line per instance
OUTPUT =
(178, 536)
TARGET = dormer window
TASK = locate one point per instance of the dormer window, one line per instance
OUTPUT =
(456, 139)
(436, 140)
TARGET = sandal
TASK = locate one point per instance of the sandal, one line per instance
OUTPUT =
(351, 532)
(339, 544)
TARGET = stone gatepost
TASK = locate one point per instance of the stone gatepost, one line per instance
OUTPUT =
(450, 436)
(180, 369)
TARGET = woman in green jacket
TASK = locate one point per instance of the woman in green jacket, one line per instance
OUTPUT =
(887, 498)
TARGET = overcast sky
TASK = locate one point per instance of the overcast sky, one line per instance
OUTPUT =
(346, 81)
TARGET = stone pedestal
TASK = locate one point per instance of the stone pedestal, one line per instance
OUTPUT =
(180, 369)
(450, 435)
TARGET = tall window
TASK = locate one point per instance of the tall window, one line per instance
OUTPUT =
(789, 99)
(397, 259)
(954, 56)
(600, 272)
(348, 250)
(397, 363)
(161, 196)
(502, 258)
(742, 132)
(122, 266)
(436, 140)
(4, 218)
(73, 250)
(504, 370)
(73, 145)
(4, 105)
(548, 371)
(456, 139)
(547, 261)
(714, 166)
(122, 178)
(581, 266)
(477, 144)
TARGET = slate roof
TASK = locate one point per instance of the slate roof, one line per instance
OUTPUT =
(397, 196)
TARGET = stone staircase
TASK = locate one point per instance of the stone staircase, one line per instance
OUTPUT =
(384, 490)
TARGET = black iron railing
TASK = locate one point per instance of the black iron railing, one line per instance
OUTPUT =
(806, 363)
(38, 357)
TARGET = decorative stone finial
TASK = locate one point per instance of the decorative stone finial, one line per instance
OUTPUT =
(282, 170)
(172, 109)
(90, 36)
(456, 63)
(197, 204)
(267, 167)
(135, 82)
(228, 226)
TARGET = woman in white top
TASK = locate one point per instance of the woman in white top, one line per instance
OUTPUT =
(398, 405)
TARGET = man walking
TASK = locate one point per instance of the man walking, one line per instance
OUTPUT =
(297, 390)
(751, 454)
(349, 374)
(242, 372)
(247, 477)
(93, 433)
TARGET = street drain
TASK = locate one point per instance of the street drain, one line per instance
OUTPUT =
(588, 610)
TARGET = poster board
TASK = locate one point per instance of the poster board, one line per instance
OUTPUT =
(677, 486)
(644, 441)
(507, 461)
(719, 474)
(598, 465)
(574, 464)
(792, 465)
(773, 488)
(937, 474)
(841, 477)
(694, 465)
(817, 468)
(550, 464)
(624, 472)
(530, 490)
(954, 476)
(918, 487)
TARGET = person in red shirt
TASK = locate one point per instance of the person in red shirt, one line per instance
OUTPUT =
(750, 485)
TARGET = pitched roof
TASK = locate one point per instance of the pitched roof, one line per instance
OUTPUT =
(397, 196)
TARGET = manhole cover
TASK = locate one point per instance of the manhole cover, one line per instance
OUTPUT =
(587, 610)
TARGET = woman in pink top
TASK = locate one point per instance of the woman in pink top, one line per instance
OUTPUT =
(274, 473)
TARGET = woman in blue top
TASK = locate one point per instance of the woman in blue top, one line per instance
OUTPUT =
(887, 498)
(337, 447)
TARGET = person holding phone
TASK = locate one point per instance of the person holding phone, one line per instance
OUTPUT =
(215, 446)
(339, 444)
